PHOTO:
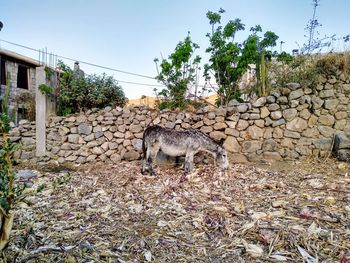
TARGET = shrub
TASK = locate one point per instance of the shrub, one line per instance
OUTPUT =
(307, 69)
(302, 70)
(332, 63)
(76, 93)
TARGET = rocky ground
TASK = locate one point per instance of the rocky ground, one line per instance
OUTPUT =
(290, 212)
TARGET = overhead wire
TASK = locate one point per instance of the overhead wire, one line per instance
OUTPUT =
(96, 65)
(91, 64)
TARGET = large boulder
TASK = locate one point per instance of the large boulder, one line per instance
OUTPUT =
(341, 141)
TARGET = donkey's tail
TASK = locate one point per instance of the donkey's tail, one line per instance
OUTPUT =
(143, 146)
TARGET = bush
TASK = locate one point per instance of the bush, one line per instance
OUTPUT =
(301, 69)
(333, 63)
(307, 69)
(76, 93)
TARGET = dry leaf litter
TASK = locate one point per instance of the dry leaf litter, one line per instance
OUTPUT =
(111, 213)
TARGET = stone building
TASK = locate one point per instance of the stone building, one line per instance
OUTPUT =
(22, 73)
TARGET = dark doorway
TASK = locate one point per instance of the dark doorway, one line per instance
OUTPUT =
(3, 73)
(22, 77)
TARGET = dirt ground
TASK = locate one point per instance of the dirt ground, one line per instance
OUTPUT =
(292, 212)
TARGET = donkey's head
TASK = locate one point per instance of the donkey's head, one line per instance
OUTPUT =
(221, 158)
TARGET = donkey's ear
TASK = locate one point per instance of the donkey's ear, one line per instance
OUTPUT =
(221, 142)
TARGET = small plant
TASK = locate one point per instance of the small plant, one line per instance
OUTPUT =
(61, 180)
(9, 192)
(45, 89)
(41, 188)
(48, 72)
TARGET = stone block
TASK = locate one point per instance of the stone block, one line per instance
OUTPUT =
(251, 146)
(326, 120)
(131, 155)
(259, 102)
(341, 141)
(231, 145)
(218, 135)
(295, 94)
(323, 144)
(297, 124)
(83, 128)
(242, 125)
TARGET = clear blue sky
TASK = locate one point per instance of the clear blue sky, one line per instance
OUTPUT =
(129, 34)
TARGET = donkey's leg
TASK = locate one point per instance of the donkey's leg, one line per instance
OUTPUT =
(188, 163)
(146, 155)
(177, 161)
(152, 156)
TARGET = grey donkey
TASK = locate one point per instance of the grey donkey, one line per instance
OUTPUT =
(178, 143)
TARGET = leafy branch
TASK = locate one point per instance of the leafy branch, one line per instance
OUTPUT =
(177, 73)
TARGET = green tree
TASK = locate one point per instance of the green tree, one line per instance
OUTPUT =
(229, 60)
(76, 93)
(226, 63)
(285, 57)
(177, 73)
(103, 91)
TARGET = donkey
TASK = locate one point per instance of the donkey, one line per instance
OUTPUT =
(176, 143)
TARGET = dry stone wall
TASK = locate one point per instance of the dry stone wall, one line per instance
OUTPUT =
(292, 122)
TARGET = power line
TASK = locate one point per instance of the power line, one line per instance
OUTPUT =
(98, 66)
(143, 84)
(83, 62)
